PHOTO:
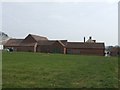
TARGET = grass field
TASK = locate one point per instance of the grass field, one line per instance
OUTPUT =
(36, 70)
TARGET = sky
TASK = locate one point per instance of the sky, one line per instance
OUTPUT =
(62, 19)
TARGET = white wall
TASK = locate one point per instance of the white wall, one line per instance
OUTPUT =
(1, 47)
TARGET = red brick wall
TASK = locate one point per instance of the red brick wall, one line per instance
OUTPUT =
(44, 48)
(57, 48)
(86, 51)
(26, 48)
(54, 48)
(22, 48)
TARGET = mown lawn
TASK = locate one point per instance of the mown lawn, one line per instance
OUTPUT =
(36, 70)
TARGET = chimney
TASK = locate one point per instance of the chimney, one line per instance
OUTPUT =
(90, 38)
(84, 39)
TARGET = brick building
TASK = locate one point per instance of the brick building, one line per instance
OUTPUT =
(35, 43)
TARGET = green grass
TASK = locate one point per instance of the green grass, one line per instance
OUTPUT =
(36, 70)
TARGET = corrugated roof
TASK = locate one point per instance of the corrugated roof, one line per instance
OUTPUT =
(84, 45)
(13, 42)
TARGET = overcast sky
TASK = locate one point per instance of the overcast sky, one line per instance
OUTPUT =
(62, 20)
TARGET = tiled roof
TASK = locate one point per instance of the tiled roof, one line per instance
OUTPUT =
(50, 42)
(13, 42)
(38, 38)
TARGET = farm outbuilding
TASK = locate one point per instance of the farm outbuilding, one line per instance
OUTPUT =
(13, 43)
(85, 48)
(28, 44)
(35, 43)
(34, 38)
(50, 47)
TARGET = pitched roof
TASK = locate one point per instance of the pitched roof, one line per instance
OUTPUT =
(50, 42)
(13, 42)
(38, 38)
(84, 45)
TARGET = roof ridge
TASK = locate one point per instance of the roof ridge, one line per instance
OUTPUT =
(36, 35)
